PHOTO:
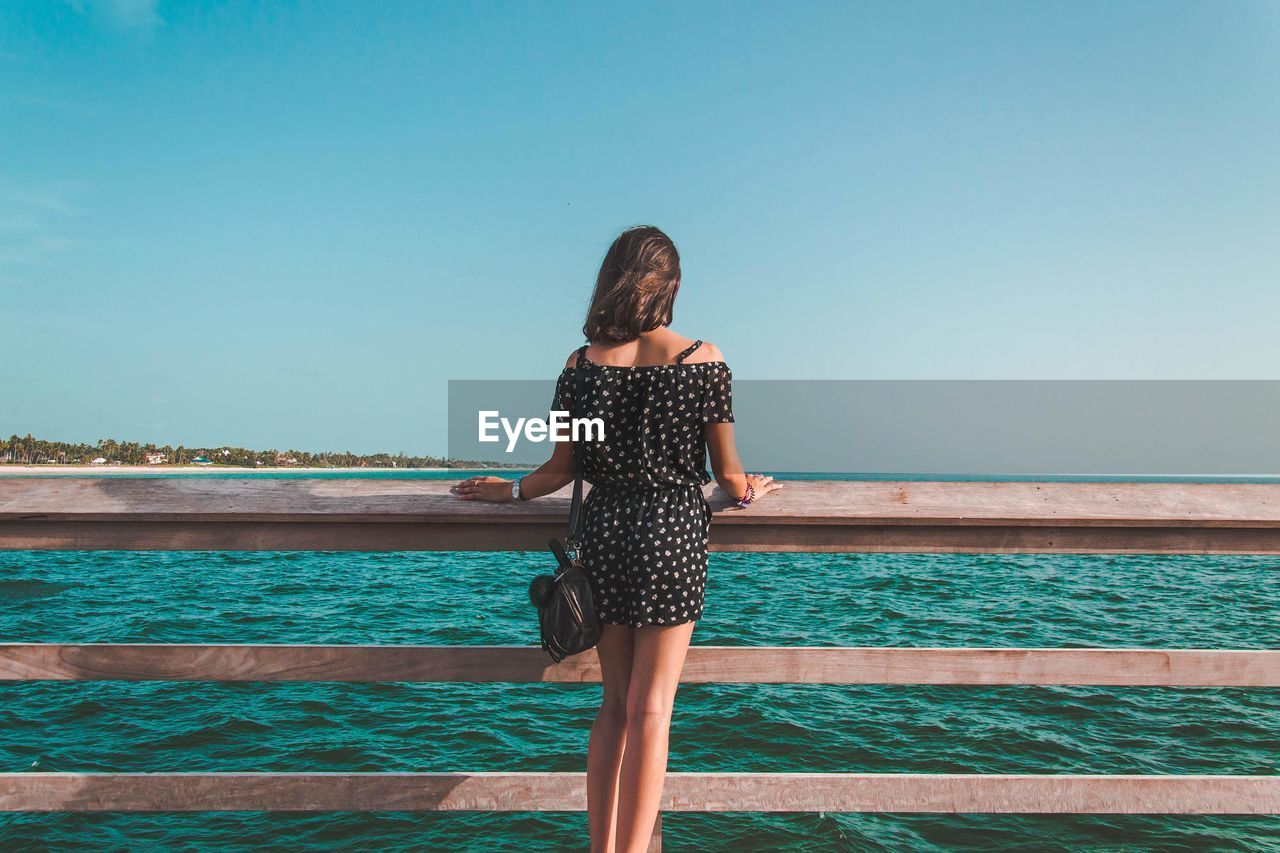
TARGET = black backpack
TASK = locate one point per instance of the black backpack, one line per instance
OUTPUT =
(567, 617)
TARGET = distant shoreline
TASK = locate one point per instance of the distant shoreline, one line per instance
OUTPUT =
(69, 470)
(11, 470)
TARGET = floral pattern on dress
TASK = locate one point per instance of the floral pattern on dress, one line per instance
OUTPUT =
(646, 522)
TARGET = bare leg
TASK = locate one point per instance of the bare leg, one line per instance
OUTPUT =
(655, 675)
(608, 736)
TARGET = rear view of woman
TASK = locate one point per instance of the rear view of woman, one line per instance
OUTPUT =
(666, 400)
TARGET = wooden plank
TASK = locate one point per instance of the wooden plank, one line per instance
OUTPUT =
(819, 516)
(782, 537)
(705, 664)
(684, 792)
(810, 502)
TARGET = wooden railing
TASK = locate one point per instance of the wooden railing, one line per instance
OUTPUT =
(420, 515)
(704, 665)
(807, 516)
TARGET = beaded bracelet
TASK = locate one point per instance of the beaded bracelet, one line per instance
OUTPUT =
(747, 498)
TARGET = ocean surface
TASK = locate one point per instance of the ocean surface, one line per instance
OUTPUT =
(753, 599)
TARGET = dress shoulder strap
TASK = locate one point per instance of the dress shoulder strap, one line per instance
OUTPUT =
(682, 356)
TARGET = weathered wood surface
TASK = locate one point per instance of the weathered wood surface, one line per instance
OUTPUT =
(388, 515)
(684, 792)
(807, 501)
(705, 664)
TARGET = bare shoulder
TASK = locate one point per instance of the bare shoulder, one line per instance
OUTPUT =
(705, 353)
(572, 360)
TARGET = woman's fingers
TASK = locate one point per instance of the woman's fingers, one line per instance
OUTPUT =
(477, 489)
(765, 485)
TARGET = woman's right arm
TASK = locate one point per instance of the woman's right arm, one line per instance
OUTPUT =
(551, 476)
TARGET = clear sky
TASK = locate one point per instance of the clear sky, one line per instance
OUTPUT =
(274, 225)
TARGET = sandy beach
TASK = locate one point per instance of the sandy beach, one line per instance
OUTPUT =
(96, 470)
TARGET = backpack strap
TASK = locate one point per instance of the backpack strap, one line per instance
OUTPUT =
(575, 506)
(682, 356)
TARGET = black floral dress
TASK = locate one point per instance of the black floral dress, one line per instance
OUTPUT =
(645, 522)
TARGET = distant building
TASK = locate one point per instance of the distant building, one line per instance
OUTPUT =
(99, 461)
(156, 459)
(200, 460)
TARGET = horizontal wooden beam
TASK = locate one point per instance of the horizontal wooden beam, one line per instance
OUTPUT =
(684, 792)
(435, 536)
(705, 664)
(421, 515)
(324, 536)
(801, 501)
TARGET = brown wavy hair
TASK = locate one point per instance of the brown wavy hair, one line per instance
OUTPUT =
(635, 288)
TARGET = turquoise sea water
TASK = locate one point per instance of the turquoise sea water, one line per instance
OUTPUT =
(753, 599)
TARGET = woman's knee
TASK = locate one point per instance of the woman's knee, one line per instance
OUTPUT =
(613, 709)
(647, 707)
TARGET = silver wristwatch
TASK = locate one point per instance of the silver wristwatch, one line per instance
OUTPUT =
(515, 489)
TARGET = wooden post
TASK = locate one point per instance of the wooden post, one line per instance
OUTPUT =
(655, 840)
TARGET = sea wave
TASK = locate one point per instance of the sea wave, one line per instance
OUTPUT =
(753, 599)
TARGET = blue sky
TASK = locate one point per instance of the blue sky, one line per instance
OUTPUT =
(290, 224)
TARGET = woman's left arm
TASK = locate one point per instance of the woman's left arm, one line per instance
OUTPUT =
(551, 476)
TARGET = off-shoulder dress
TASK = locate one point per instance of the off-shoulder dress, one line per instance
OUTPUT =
(645, 521)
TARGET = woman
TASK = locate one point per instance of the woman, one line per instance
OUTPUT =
(665, 401)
